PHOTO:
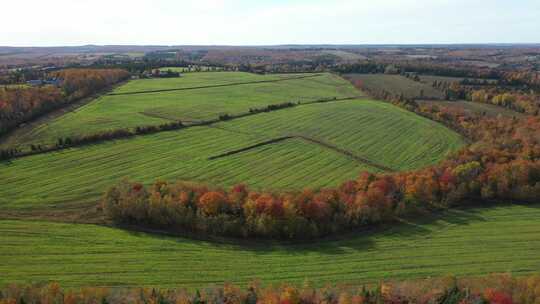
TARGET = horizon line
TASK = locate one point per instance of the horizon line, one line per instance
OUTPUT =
(282, 45)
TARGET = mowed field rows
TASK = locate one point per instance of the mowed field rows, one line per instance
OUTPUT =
(374, 130)
(197, 80)
(378, 131)
(129, 111)
(461, 242)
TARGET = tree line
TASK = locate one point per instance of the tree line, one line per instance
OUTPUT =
(76, 141)
(519, 102)
(500, 289)
(21, 104)
(522, 100)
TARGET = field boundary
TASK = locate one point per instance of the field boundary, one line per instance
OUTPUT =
(214, 86)
(318, 142)
(154, 115)
(172, 126)
(254, 111)
(55, 113)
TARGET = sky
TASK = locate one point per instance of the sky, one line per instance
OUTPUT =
(267, 22)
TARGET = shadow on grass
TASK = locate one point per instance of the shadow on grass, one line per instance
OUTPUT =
(425, 225)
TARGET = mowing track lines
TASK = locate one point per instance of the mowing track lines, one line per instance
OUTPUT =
(194, 123)
(334, 148)
(215, 85)
(155, 115)
(350, 154)
(244, 114)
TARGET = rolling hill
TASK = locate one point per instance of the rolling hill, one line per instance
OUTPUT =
(333, 142)
(468, 242)
(193, 97)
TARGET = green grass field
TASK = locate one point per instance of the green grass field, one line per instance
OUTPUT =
(380, 132)
(462, 242)
(397, 84)
(197, 80)
(128, 111)
(377, 131)
(323, 145)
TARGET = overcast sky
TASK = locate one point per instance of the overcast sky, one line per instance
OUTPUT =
(265, 22)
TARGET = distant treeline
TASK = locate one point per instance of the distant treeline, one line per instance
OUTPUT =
(21, 104)
(501, 93)
(402, 67)
(149, 64)
(522, 80)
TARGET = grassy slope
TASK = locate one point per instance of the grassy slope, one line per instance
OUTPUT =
(81, 175)
(194, 80)
(396, 84)
(124, 111)
(400, 140)
(463, 243)
(381, 132)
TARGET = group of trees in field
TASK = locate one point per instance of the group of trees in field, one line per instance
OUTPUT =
(519, 102)
(528, 79)
(273, 107)
(518, 91)
(237, 212)
(21, 104)
(471, 175)
(503, 289)
(78, 83)
(502, 164)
